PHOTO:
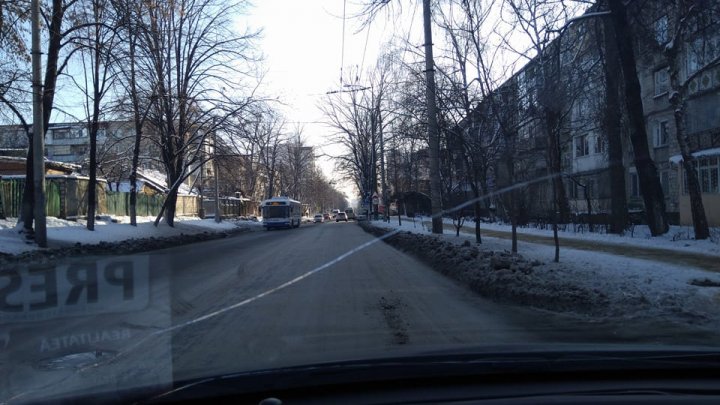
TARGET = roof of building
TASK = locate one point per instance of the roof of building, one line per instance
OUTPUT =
(67, 168)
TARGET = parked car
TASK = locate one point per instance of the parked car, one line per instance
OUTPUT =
(341, 216)
(318, 218)
(361, 217)
(326, 216)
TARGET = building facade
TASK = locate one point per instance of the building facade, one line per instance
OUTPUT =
(564, 90)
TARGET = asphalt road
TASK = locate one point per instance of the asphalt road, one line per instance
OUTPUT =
(258, 300)
(322, 292)
(264, 299)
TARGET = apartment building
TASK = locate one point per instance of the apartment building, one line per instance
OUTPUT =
(572, 68)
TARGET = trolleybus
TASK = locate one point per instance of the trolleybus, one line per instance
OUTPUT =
(281, 212)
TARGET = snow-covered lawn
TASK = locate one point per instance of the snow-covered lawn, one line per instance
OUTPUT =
(62, 232)
(653, 284)
(679, 238)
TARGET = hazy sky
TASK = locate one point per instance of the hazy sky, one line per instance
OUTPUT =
(303, 46)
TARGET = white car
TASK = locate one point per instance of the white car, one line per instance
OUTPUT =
(341, 216)
(318, 218)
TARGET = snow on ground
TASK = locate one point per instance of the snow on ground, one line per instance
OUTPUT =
(679, 238)
(62, 232)
(653, 282)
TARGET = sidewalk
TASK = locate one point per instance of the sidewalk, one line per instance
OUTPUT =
(698, 260)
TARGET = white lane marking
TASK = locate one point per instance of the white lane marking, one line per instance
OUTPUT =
(248, 300)
(280, 287)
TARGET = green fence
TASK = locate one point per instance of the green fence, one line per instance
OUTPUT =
(118, 203)
(113, 203)
(52, 199)
(11, 192)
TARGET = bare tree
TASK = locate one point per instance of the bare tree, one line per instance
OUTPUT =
(59, 32)
(647, 171)
(686, 28)
(268, 137)
(195, 56)
(359, 117)
(539, 21)
(297, 160)
(371, 9)
(612, 125)
(138, 95)
(463, 22)
(95, 43)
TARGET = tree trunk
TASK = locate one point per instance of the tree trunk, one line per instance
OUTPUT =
(555, 228)
(613, 130)
(97, 94)
(650, 187)
(170, 206)
(478, 236)
(555, 165)
(92, 188)
(677, 99)
(51, 71)
(476, 195)
(53, 55)
(138, 128)
(513, 222)
(700, 224)
(433, 132)
(589, 208)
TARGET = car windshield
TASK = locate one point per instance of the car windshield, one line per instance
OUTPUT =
(500, 177)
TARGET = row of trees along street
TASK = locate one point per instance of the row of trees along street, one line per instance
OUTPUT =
(515, 79)
(180, 71)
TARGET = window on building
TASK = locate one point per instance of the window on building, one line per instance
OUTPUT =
(708, 175)
(590, 188)
(662, 81)
(523, 95)
(701, 52)
(61, 150)
(661, 30)
(580, 107)
(61, 133)
(572, 190)
(582, 146)
(599, 144)
(660, 134)
(709, 171)
(524, 132)
(634, 185)
(79, 149)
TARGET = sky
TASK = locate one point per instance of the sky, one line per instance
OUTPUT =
(305, 44)
(302, 42)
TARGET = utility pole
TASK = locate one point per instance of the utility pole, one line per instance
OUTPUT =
(383, 186)
(373, 184)
(38, 131)
(433, 131)
(201, 211)
(218, 214)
